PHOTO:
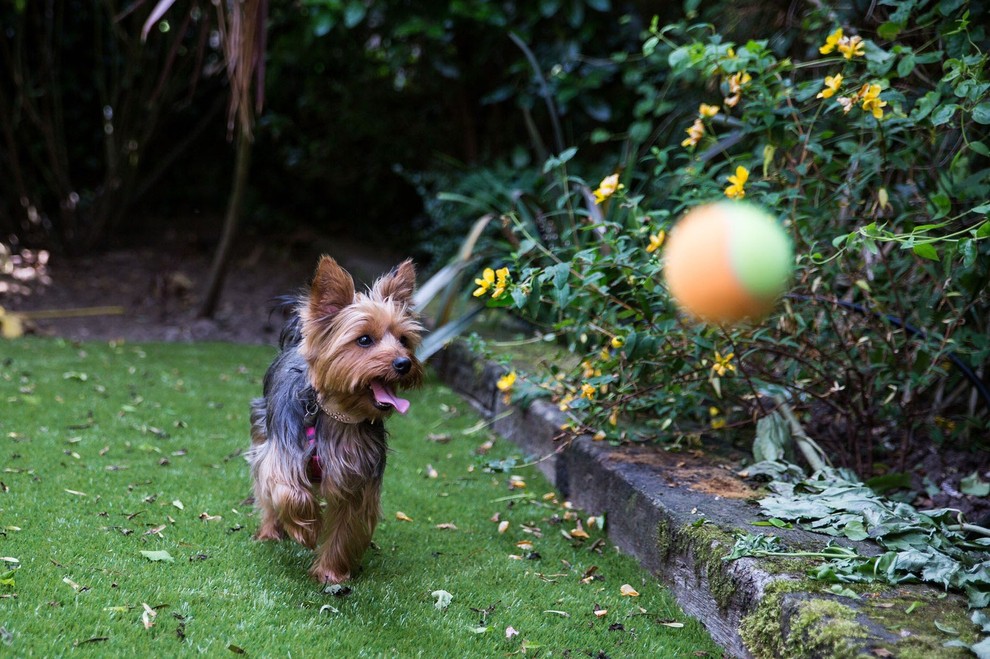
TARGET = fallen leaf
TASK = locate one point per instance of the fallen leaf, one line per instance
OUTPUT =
(402, 517)
(524, 544)
(503, 526)
(579, 532)
(674, 625)
(77, 493)
(564, 614)
(510, 632)
(628, 591)
(148, 617)
(178, 504)
(326, 608)
(443, 599)
(206, 517)
(447, 526)
(599, 612)
(236, 649)
(431, 472)
(159, 555)
(73, 585)
(478, 630)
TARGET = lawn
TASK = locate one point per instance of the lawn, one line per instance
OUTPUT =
(124, 529)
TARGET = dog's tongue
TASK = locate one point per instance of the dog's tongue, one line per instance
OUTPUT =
(383, 394)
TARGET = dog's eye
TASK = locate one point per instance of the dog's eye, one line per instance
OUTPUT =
(365, 341)
(404, 341)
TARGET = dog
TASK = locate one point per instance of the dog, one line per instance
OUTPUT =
(318, 430)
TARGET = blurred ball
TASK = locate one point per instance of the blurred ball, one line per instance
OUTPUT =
(727, 261)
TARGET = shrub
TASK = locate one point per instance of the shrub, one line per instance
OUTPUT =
(871, 150)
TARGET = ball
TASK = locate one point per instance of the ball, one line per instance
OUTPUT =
(727, 261)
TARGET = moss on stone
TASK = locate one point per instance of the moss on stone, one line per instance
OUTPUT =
(760, 630)
(707, 544)
(825, 628)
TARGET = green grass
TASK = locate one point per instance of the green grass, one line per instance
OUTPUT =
(107, 451)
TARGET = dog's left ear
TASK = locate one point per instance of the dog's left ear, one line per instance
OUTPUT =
(399, 284)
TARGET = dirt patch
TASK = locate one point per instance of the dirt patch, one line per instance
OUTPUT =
(696, 470)
(152, 293)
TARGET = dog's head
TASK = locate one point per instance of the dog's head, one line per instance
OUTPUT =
(361, 347)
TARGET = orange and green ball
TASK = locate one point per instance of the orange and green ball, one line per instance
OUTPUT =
(727, 262)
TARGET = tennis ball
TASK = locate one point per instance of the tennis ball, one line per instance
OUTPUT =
(727, 261)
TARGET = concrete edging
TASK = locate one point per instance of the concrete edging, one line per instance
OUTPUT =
(750, 607)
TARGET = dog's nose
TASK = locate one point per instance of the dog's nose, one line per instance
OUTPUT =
(402, 365)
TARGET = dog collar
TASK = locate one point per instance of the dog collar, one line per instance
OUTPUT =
(336, 414)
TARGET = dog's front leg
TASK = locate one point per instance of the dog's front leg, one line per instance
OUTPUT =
(349, 523)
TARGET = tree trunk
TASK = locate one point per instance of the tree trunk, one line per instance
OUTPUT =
(221, 258)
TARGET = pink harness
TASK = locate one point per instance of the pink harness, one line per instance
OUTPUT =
(314, 471)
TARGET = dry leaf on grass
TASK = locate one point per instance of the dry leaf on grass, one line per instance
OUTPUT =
(402, 517)
(628, 591)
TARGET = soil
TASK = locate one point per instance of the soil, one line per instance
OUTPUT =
(153, 292)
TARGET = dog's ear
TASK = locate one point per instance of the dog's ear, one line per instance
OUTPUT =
(332, 289)
(399, 284)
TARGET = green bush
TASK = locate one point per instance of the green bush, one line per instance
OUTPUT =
(871, 150)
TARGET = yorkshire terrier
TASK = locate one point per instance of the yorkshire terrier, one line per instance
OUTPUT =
(318, 432)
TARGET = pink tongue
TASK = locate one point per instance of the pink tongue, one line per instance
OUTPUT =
(383, 394)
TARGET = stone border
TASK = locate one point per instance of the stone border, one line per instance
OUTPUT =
(750, 607)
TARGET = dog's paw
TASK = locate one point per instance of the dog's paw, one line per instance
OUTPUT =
(327, 576)
(269, 532)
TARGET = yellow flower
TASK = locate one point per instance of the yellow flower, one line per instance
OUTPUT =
(831, 86)
(501, 282)
(485, 283)
(724, 364)
(618, 342)
(608, 187)
(565, 403)
(739, 80)
(506, 382)
(707, 111)
(656, 241)
(695, 133)
(588, 391)
(736, 82)
(847, 103)
(831, 41)
(851, 46)
(718, 422)
(871, 100)
(738, 181)
(613, 418)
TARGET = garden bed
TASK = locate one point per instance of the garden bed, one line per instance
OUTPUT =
(678, 514)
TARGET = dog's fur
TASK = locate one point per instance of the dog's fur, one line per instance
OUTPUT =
(323, 411)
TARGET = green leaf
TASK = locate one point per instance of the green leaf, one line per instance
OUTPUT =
(926, 251)
(906, 65)
(980, 148)
(981, 113)
(943, 114)
(773, 436)
(889, 30)
(973, 485)
(159, 555)
(925, 105)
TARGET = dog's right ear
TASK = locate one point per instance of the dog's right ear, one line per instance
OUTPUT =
(332, 290)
